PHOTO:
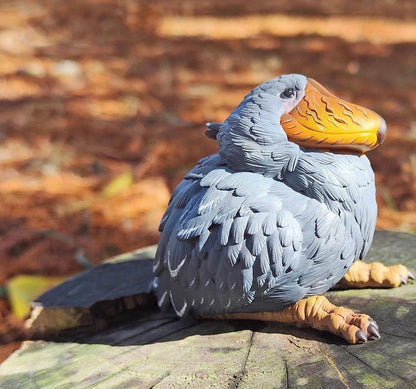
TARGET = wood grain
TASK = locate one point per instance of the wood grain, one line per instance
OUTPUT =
(146, 348)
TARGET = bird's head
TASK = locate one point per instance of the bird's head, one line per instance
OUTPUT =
(290, 113)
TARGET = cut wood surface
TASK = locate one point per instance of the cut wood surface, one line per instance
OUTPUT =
(104, 330)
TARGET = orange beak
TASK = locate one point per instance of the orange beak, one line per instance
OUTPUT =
(323, 121)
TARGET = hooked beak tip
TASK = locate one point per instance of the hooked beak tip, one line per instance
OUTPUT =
(381, 132)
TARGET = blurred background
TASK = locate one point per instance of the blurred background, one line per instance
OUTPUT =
(103, 105)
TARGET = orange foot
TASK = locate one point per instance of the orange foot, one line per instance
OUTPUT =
(319, 313)
(374, 275)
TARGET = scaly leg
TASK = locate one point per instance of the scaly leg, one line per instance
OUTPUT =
(319, 313)
(374, 275)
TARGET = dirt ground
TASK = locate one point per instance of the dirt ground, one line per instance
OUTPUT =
(103, 105)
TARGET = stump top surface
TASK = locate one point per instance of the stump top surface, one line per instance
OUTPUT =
(152, 349)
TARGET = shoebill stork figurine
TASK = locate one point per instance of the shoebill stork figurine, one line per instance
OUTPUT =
(285, 211)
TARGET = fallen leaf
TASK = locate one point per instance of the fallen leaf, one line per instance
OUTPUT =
(23, 289)
(118, 184)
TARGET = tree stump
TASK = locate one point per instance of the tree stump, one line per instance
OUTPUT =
(103, 329)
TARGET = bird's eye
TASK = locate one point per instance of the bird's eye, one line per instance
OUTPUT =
(288, 93)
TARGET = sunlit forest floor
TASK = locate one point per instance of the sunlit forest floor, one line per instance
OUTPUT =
(103, 105)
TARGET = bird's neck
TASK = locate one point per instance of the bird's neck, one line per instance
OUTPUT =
(340, 181)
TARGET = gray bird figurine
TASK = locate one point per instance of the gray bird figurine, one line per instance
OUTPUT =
(285, 211)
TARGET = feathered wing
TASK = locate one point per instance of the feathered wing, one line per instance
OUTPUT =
(239, 241)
